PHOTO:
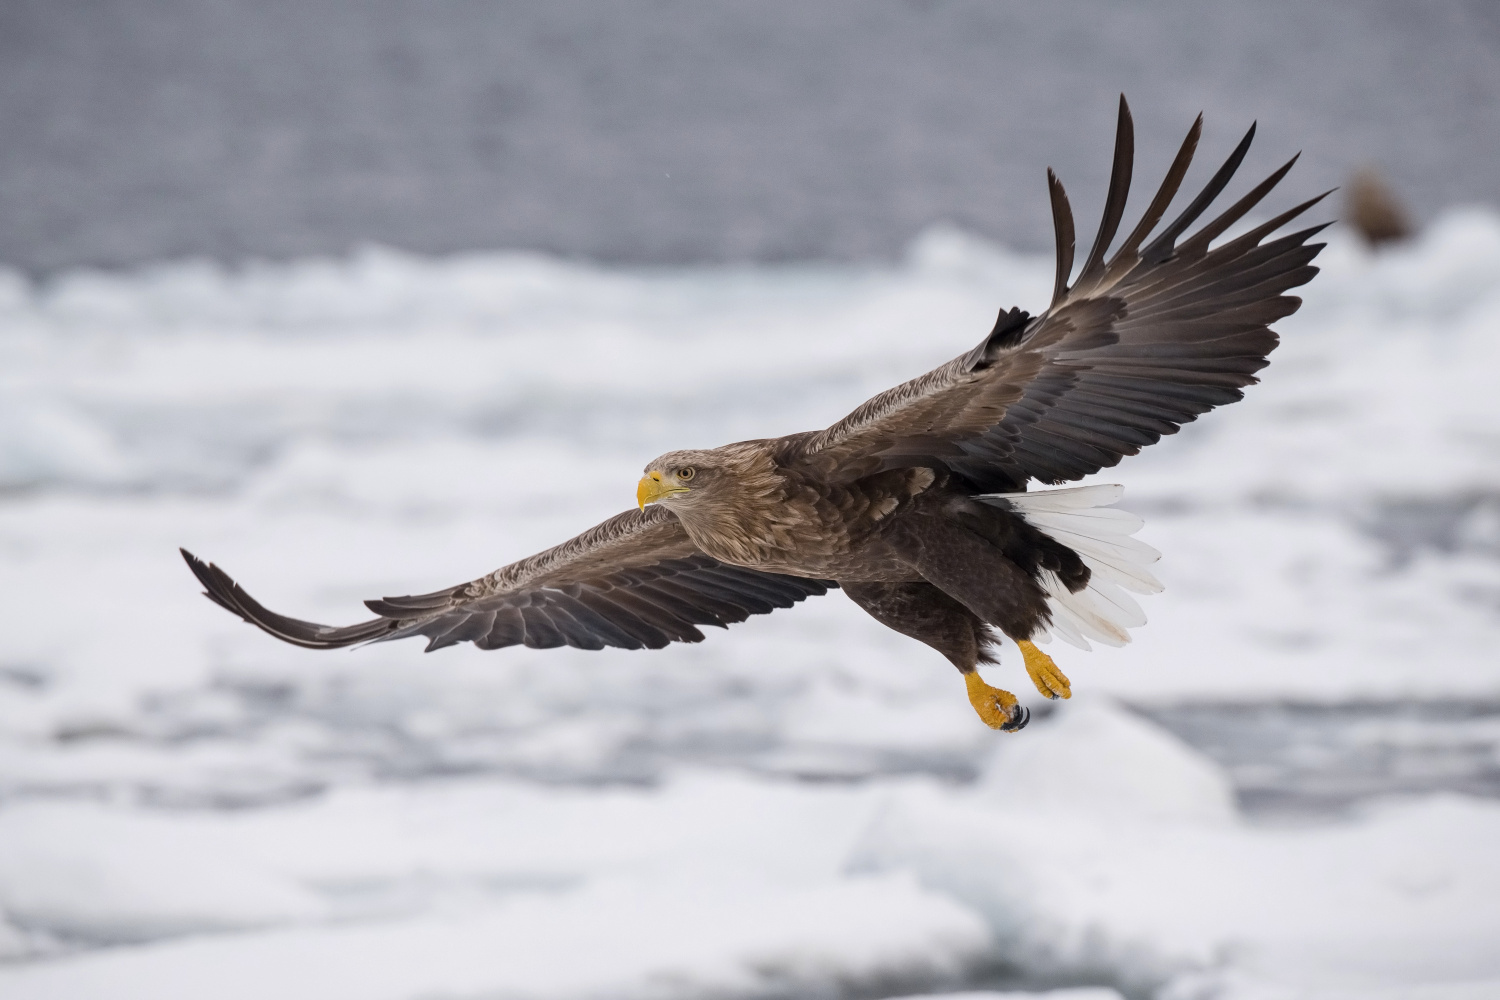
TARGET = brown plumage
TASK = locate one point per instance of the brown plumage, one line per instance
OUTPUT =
(915, 503)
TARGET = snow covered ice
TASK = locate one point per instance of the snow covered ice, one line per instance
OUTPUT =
(802, 807)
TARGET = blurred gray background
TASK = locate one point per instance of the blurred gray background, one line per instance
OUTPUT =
(677, 132)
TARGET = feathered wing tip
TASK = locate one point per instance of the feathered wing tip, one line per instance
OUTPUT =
(1080, 518)
(220, 588)
(1119, 190)
(1096, 270)
(1062, 225)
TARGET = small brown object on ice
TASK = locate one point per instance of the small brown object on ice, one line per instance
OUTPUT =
(1373, 209)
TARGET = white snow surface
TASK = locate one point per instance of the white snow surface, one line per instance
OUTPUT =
(190, 809)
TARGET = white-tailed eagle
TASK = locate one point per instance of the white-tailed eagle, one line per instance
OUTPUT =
(916, 503)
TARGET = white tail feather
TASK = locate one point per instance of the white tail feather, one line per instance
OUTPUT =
(1079, 519)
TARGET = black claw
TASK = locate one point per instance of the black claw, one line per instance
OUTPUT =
(1051, 696)
(1019, 716)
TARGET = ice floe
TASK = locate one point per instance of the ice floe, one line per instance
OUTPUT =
(802, 807)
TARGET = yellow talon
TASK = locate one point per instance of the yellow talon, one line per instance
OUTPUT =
(997, 709)
(1044, 673)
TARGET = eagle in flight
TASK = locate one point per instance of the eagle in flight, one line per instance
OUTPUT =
(916, 503)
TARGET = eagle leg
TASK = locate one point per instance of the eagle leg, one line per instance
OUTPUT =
(997, 709)
(1050, 681)
(922, 611)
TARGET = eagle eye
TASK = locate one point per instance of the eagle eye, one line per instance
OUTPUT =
(684, 474)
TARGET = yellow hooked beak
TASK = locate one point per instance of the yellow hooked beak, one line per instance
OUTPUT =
(652, 488)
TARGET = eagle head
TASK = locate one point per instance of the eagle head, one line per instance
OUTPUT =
(679, 478)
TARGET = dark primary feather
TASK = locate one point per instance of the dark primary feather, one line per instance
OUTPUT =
(1119, 191)
(1160, 248)
(635, 581)
(1140, 344)
(1062, 223)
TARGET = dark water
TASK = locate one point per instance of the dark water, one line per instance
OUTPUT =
(1309, 760)
(1287, 760)
(651, 132)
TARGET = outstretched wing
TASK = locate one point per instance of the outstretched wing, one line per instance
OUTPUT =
(635, 581)
(1138, 345)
